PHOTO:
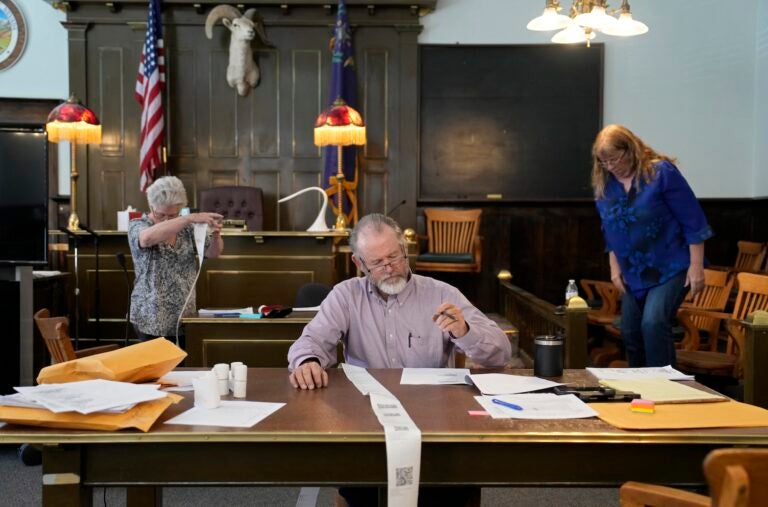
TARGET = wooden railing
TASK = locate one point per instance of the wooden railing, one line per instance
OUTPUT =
(755, 359)
(533, 317)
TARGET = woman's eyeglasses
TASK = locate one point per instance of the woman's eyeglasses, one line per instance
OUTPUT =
(164, 216)
(612, 162)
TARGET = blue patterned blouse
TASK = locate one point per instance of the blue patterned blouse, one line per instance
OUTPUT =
(649, 230)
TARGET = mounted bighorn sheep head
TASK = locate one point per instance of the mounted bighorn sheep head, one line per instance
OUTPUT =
(242, 71)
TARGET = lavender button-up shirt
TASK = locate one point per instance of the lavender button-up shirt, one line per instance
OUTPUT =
(397, 332)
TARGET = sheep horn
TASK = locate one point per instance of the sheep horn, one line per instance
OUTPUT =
(218, 12)
(258, 24)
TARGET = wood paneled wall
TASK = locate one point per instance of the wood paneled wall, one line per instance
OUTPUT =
(216, 137)
(544, 244)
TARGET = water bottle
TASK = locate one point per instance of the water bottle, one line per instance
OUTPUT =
(571, 291)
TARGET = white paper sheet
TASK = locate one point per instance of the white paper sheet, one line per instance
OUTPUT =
(230, 414)
(89, 396)
(666, 372)
(200, 231)
(19, 400)
(537, 406)
(434, 376)
(501, 383)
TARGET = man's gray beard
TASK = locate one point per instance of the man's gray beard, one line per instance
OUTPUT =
(393, 285)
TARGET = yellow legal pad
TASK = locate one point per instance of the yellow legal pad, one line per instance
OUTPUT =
(729, 414)
(661, 390)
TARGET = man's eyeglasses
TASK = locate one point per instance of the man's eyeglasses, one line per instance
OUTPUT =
(379, 266)
(612, 162)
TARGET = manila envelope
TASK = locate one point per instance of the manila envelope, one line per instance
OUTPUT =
(142, 416)
(137, 363)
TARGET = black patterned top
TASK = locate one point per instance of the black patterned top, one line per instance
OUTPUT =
(164, 277)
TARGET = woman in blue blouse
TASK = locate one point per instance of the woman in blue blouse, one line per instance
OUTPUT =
(654, 231)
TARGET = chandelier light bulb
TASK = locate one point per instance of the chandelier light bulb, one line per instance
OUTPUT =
(626, 26)
(597, 19)
(549, 20)
(574, 34)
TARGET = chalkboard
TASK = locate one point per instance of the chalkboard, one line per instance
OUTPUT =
(509, 123)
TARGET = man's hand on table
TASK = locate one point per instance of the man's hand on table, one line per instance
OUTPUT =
(309, 375)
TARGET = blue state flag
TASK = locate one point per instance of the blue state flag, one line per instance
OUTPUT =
(344, 86)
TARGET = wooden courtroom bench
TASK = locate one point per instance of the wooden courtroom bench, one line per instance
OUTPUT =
(533, 316)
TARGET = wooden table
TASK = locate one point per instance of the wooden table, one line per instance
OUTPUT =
(331, 437)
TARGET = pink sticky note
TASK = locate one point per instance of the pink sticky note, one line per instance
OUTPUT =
(478, 412)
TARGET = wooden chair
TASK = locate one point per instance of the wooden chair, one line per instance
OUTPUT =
(453, 241)
(752, 295)
(55, 332)
(736, 478)
(714, 297)
(608, 295)
(750, 256)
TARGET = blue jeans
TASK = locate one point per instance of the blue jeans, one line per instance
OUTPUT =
(646, 323)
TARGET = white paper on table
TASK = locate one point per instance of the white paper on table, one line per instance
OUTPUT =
(200, 230)
(666, 372)
(501, 383)
(434, 376)
(537, 406)
(19, 400)
(230, 414)
(89, 396)
(363, 381)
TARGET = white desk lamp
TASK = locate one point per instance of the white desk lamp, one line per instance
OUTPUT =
(319, 224)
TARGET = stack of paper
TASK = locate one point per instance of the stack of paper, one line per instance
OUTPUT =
(86, 397)
(90, 405)
(535, 406)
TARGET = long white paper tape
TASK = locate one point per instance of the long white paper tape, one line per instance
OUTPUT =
(402, 437)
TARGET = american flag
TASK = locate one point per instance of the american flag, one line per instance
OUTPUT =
(149, 94)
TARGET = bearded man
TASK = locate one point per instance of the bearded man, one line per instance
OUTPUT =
(391, 317)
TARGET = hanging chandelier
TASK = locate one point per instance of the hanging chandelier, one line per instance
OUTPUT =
(585, 19)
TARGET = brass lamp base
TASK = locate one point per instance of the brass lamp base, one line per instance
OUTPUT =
(341, 222)
(73, 224)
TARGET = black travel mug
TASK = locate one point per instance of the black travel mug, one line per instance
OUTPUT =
(548, 356)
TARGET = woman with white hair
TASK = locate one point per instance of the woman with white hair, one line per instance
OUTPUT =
(164, 259)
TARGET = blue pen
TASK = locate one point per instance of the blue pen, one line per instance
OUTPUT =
(506, 404)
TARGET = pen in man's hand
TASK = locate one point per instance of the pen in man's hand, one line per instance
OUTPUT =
(452, 317)
(506, 404)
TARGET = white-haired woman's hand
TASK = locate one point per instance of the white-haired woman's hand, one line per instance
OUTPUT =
(212, 219)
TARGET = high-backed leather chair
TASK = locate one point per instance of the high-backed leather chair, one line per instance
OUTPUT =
(235, 203)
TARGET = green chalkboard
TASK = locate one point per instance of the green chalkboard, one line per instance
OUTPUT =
(509, 123)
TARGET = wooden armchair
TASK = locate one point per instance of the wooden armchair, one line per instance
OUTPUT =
(608, 295)
(750, 257)
(55, 332)
(453, 241)
(736, 478)
(714, 297)
(752, 295)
